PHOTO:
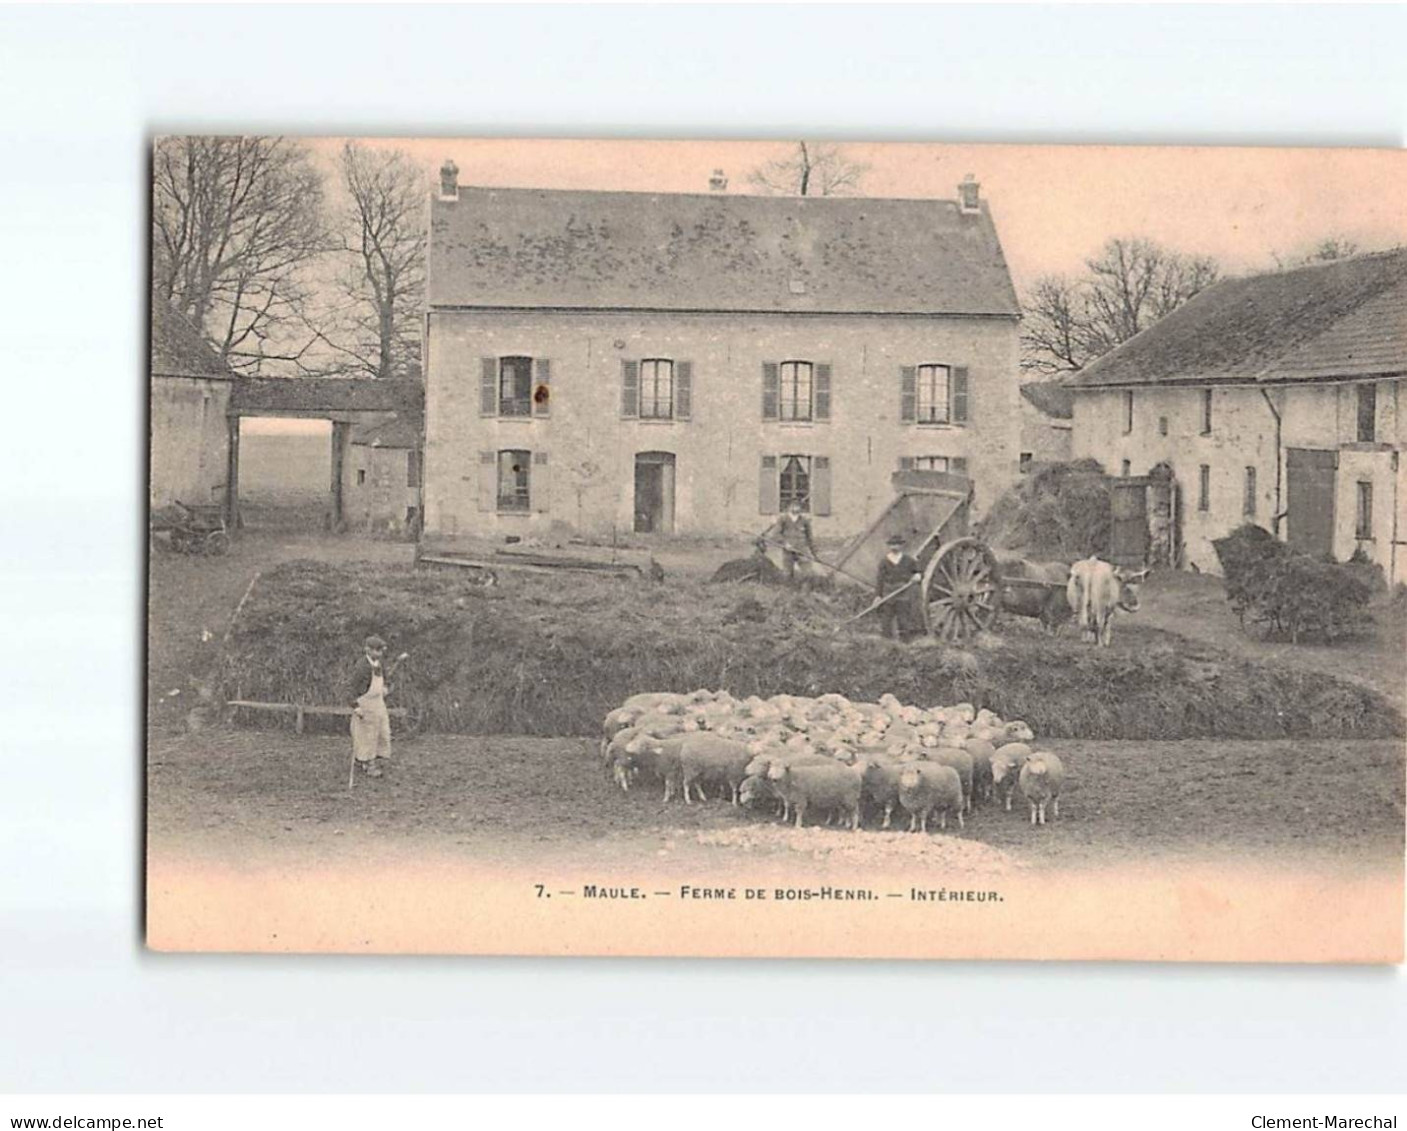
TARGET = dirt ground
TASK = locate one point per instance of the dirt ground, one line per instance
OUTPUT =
(229, 793)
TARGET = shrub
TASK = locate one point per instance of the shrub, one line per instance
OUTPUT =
(1292, 593)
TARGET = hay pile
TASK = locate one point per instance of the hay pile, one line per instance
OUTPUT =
(550, 655)
(1057, 512)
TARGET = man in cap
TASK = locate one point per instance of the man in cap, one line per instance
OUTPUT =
(793, 531)
(371, 723)
(902, 616)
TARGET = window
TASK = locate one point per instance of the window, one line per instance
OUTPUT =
(361, 476)
(933, 394)
(795, 482)
(1204, 488)
(656, 389)
(1206, 412)
(1162, 426)
(1363, 528)
(515, 386)
(934, 406)
(1248, 502)
(1023, 461)
(513, 471)
(1124, 468)
(412, 468)
(1367, 414)
(795, 394)
(1128, 411)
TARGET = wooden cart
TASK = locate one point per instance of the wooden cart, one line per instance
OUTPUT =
(961, 580)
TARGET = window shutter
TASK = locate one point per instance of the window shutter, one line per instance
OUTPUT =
(821, 485)
(769, 488)
(908, 393)
(958, 465)
(488, 481)
(771, 393)
(906, 463)
(538, 483)
(683, 390)
(959, 394)
(823, 391)
(542, 390)
(488, 386)
(630, 388)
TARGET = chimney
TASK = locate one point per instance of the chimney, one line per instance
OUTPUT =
(449, 180)
(718, 182)
(968, 198)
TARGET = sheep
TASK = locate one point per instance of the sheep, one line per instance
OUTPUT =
(658, 757)
(1006, 766)
(836, 788)
(981, 753)
(926, 786)
(615, 759)
(881, 785)
(1041, 779)
(652, 701)
(707, 758)
(961, 763)
(764, 759)
(615, 722)
(1015, 732)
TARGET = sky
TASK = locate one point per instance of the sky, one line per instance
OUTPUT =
(1053, 205)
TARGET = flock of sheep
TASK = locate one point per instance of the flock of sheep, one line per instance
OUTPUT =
(829, 754)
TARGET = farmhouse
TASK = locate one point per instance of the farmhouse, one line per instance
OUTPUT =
(1273, 399)
(692, 363)
(381, 477)
(190, 395)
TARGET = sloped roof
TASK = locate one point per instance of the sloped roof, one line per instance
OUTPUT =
(629, 250)
(313, 395)
(1051, 398)
(1339, 319)
(178, 349)
(402, 432)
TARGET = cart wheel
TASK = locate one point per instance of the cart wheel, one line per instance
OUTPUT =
(961, 590)
(217, 543)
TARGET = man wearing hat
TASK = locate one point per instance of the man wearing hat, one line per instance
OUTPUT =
(371, 723)
(793, 532)
(902, 616)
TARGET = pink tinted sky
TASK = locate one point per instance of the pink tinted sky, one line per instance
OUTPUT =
(1053, 205)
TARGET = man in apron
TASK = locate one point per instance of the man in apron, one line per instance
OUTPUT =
(371, 724)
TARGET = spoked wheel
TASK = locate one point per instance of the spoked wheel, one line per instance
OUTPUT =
(961, 590)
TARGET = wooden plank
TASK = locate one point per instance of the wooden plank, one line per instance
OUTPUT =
(298, 710)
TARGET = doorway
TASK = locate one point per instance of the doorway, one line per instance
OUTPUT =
(1310, 474)
(654, 493)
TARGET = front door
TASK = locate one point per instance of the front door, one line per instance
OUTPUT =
(1310, 474)
(654, 493)
(1128, 538)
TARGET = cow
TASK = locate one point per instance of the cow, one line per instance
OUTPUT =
(1095, 590)
(1046, 602)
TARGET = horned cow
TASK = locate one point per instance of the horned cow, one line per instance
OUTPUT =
(1097, 589)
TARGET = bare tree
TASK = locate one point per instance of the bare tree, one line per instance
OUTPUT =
(812, 169)
(381, 279)
(1127, 287)
(235, 220)
(1326, 250)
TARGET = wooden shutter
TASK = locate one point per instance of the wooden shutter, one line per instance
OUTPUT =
(683, 390)
(959, 394)
(488, 481)
(771, 394)
(908, 393)
(823, 391)
(958, 465)
(906, 463)
(769, 487)
(821, 485)
(630, 388)
(538, 483)
(542, 386)
(488, 386)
